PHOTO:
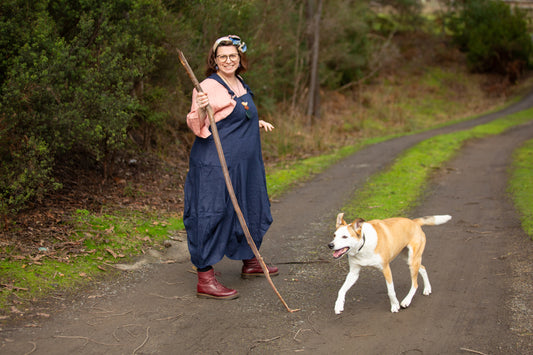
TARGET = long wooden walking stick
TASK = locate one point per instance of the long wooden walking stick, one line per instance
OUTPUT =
(229, 185)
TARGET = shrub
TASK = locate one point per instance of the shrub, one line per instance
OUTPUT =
(26, 174)
(493, 35)
(73, 81)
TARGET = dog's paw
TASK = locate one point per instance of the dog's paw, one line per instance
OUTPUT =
(427, 291)
(395, 307)
(339, 310)
(339, 307)
(405, 303)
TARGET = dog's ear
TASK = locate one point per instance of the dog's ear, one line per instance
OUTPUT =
(355, 226)
(358, 223)
(340, 220)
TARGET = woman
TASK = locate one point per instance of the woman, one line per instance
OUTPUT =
(213, 228)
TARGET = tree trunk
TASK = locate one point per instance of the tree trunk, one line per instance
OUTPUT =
(314, 14)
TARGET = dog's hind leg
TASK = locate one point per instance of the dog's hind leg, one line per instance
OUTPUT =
(427, 285)
(414, 261)
(394, 304)
(351, 278)
(414, 268)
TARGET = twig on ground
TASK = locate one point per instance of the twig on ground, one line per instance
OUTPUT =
(144, 342)
(268, 340)
(173, 283)
(131, 325)
(21, 298)
(313, 326)
(14, 288)
(100, 310)
(172, 317)
(87, 340)
(114, 315)
(319, 261)
(263, 341)
(298, 332)
(124, 326)
(168, 297)
(32, 350)
(473, 351)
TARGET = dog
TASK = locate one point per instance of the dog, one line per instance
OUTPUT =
(376, 243)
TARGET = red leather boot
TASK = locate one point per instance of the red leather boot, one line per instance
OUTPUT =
(209, 287)
(252, 268)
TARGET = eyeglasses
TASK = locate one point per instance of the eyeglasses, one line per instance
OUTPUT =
(231, 39)
(224, 58)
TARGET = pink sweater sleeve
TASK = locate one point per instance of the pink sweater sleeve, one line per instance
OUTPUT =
(220, 101)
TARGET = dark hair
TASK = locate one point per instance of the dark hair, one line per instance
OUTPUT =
(212, 65)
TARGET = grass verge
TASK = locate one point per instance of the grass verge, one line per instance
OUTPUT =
(99, 242)
(397, 190)
(521, 185)
(282, 178)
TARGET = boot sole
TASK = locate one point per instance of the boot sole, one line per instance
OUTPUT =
(257, 274)
(206, 296)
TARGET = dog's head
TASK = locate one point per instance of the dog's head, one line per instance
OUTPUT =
(347, 236)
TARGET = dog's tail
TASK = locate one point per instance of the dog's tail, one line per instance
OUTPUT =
(432, 220)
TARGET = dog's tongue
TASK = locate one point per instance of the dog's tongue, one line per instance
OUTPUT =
(339, 253)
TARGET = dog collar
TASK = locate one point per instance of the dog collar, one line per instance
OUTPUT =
(364, 241)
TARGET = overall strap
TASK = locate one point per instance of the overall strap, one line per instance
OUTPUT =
(216, 77)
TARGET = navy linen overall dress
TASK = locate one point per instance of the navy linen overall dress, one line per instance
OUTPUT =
(213, 228)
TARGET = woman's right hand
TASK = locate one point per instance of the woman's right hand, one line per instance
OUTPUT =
(202, 100)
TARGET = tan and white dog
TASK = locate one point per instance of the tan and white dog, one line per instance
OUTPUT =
(376, 243)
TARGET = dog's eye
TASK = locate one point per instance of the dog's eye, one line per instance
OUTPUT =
(344, 237)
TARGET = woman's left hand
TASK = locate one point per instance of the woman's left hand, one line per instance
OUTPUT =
(267, 126)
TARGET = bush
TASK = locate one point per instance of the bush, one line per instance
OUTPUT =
(494, 36)
(26, 174)
(74, 81)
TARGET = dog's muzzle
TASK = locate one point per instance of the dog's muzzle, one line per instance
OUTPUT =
(338, 253)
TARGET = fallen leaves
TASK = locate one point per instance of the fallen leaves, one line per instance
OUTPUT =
(115, 255)
(12, 287)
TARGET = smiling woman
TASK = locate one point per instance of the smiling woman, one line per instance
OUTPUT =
(213, 229)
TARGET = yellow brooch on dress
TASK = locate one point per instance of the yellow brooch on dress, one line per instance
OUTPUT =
(246, 107)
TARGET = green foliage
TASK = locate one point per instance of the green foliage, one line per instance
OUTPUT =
(79, 76)
(494, 36)
(87, 78)
(71, 83)
(406, 13)
(346, 45)
(277, 42)
(273, 31)
(26, 173)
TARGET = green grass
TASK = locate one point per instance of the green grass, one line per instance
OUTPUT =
(98, 242)
(282, 178)
(521, 185)
(397, 190)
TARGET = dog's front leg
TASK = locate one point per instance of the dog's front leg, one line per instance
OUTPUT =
(394, 304)
(351, 278)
